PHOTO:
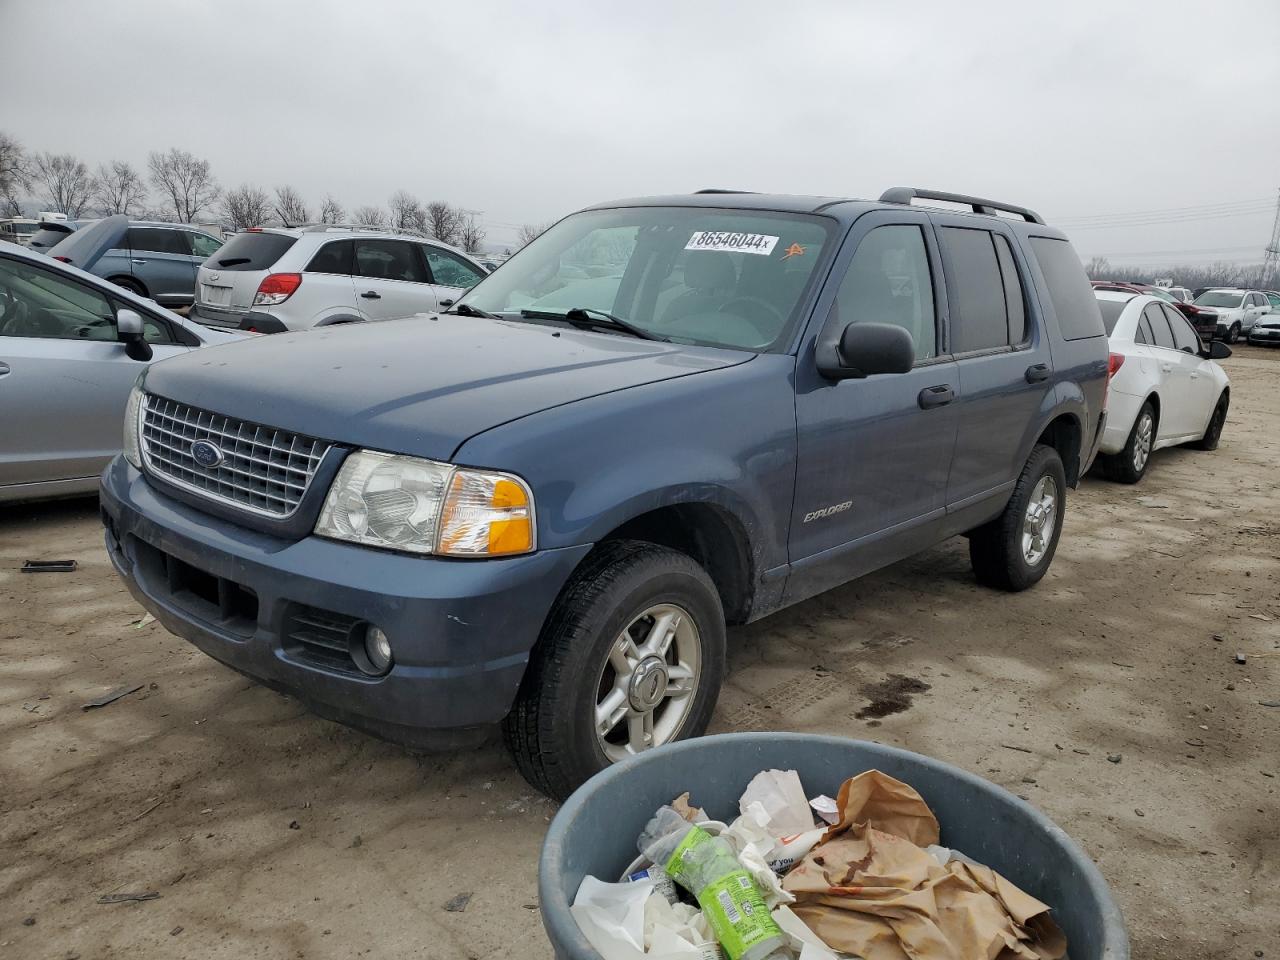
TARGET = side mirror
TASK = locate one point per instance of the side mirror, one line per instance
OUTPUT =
(865, 349)
(129, 331)
(446, 303)
(1217, 350)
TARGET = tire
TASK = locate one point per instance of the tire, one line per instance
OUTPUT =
(996, 549)
(1130, 464)
(551, 730)
(1213, 432)
(1233, 335)
(128, 283)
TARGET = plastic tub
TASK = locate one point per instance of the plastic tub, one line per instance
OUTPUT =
(595, 831)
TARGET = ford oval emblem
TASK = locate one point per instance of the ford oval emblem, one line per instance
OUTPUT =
(206, 454)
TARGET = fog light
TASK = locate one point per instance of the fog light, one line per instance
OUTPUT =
(377, 648)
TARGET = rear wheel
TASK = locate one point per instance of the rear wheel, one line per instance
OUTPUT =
(1014, 550)
(1130, 464)
(1213, 432)
(128, 283)
(631, 657)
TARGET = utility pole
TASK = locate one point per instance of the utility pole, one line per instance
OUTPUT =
(1271, 261)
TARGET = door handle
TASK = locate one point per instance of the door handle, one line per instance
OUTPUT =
(1195, 376)
(1037, 372)
(938, 396)
(371, 295)
(1166, 367)
(4, 369)
(137, 261)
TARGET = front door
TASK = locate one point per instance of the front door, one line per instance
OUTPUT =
(874, 454)
(391, 279)
(451, 276)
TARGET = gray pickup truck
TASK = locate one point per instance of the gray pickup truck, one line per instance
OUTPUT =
(543, 506)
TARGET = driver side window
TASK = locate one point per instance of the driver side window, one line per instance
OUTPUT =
(38, 303)
(889, 281)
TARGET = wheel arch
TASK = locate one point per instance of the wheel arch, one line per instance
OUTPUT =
(131, 283)
(1065, 435)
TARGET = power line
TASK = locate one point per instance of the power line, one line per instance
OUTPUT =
(1197, 208)
(1158, 221)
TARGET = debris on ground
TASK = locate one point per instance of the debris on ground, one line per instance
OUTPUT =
(48, 566)
(1114, 757)
(458, 903)
(128, 897)
(146, 620)
(112, 697)
(1241, 658)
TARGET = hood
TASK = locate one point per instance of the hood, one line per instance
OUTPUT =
(420, 386)
(85, 247)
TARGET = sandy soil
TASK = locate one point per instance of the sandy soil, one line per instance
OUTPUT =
(269, 833)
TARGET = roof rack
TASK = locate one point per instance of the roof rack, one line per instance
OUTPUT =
(326, 227)
(720, 190)
(989, 207)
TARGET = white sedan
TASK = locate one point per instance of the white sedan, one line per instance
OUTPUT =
(1165, 388)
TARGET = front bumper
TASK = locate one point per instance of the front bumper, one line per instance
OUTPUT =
(1265, 336)
(460, 630)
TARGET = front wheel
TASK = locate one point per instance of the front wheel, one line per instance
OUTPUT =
(1013, 551)
(1213, 432)
(631, 657)
(1233, 335)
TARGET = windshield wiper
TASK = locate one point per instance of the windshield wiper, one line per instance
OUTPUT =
(588, 317)
(467, 310)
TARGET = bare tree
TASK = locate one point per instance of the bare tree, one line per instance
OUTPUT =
(470, 233)
(531, 232)
(246, 206)
(66, 182)
(118, 188)
(406, 211)
(331, 210)
(185, 180)
(14, 174)
(1098, 268)
(442, 221)
(370, 216)
(290, 207)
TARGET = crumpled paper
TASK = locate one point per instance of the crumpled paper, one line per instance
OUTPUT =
(873, 890)
(630, 921)
(783, 799)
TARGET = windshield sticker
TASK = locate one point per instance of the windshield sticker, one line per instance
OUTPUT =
(795, 250)
(732, 242)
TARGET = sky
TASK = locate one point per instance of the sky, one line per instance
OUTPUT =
(1149, 131)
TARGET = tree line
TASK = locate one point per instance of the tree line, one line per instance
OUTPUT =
(1249, 276)
(178, 186)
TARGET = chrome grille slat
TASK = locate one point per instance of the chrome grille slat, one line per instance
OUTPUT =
(264, 471)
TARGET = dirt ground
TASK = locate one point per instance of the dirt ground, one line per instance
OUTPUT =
(270, 833)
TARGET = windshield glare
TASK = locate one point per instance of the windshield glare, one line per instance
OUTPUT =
(1218, 298)
(690, 274)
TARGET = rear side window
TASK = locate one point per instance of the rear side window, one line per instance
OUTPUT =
(332, 258)
(1014, 299)
(390, 260)
(1069, 289)
(158, 240)
(1162, 336)
(204, 245)
(979, 314)
(251, 251)
(888, 281)
(1142, 334)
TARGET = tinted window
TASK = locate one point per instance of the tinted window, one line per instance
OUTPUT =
(158, 240)
(389, 260)
(1259, 300)
(332, 258)
(39, 303)
(1069, 290)
(979, 319)
(888, 281)
(1111, 310)
(1014, 298)
(1142, 334)
(1162, 336)
(1274, 300)
(251, 251)
(1184, 338)
(450, 270)
(47, 236)
(204, 245)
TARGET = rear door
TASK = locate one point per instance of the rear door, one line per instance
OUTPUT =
(328, 289)
(451, 275)
(64, 377)
(161, 260)
(1173, 380)
(1003, 361)
(391, 279)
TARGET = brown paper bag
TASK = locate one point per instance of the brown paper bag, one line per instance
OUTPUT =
(871, 889)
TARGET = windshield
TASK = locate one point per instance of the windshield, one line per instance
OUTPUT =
(1219, 298)
(689, 274)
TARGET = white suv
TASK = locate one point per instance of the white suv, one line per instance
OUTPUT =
(274, 279)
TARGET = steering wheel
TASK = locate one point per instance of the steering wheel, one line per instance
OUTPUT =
(763, 310)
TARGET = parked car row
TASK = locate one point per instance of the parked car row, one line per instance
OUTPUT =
(1216, 313)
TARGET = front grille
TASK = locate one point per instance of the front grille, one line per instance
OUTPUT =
(320, 636)
(263, 470)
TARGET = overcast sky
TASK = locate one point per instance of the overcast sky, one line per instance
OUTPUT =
(526, 111)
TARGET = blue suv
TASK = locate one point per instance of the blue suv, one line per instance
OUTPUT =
(543, 506)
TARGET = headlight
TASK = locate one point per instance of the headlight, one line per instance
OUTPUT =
(421, 506)
(132, 413)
